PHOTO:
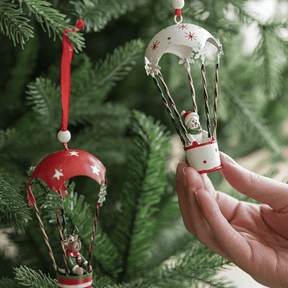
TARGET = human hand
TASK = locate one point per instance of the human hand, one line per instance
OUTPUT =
(252, 236)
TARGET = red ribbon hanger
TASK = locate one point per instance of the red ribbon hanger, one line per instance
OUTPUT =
(67, 54)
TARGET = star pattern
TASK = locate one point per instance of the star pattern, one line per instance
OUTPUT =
(58, 174)
(74, 153)
(95, 169)
(182, 26)
(190, 36)
(155, 45)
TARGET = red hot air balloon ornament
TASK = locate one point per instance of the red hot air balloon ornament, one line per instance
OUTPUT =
(190, 43)
(60, 166)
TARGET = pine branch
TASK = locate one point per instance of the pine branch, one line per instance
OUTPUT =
(6, 137)
(53, 22)
(8, 283)
(13, 206)
(14, 24)
(12, 95)
(45, 98)
(240, 8)
(106, 73)
(119, 64)
(198, 265)
(170, 241)
(271, 58)
(98, 13)
(142, 192)
(248, 118)
(30, 278)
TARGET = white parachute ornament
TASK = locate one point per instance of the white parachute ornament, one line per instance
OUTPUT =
(190, 43)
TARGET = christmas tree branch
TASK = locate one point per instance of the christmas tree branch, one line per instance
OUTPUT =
(98, 13)
(198, 265)
(44, 97)
(106, 73)
(250, 121)
(14, 24)
(272, 59)
(29, 277)
(54, 22)
(142, 192)
(13, 206)
(8, 283)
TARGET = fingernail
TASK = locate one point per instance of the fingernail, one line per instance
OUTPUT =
(185, 183)
(227, 159)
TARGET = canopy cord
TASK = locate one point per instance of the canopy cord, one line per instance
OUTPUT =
(46, 239)
(216, 93)
(172, 103)
(62, 236)
(165, 103)
(91, 246)
(191, 87)
(206, 100)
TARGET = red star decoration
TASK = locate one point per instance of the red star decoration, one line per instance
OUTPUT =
(190, 36)
(183, 26)
(155, 45)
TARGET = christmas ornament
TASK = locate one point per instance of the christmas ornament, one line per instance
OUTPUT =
(190, 43)
(55, 170)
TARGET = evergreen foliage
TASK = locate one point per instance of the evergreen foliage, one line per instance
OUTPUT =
(98, 13)
(13, 206)
(141, 240)
(14, 23)
(30, 278)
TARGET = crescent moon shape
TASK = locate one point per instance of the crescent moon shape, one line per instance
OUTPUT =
(58, 167)
(187, 41)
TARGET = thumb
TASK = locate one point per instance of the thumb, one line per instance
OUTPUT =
(260, 188)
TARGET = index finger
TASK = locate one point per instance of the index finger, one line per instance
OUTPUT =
(260, 188)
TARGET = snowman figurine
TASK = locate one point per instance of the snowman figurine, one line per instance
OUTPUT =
(195, 131)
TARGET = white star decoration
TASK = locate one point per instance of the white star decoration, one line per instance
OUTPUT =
(96, 170)
(74, 153)
(58, 174)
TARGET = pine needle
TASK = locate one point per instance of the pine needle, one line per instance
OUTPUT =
(142, 192)
(13, 206)
(98, 13)
(44, 97)
(14, 24)
(29, 277)
(52, 21)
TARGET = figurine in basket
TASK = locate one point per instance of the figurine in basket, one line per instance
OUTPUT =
(195, 131)
(76, 263)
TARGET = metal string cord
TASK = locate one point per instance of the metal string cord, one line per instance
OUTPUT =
(216, 93)
(165, 103)
(172, 103)
(62, 236)
(91, 246)
(206, 100)
(192, 90)
(46, 239)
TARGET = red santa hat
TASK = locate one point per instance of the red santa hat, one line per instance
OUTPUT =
(188, 116)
